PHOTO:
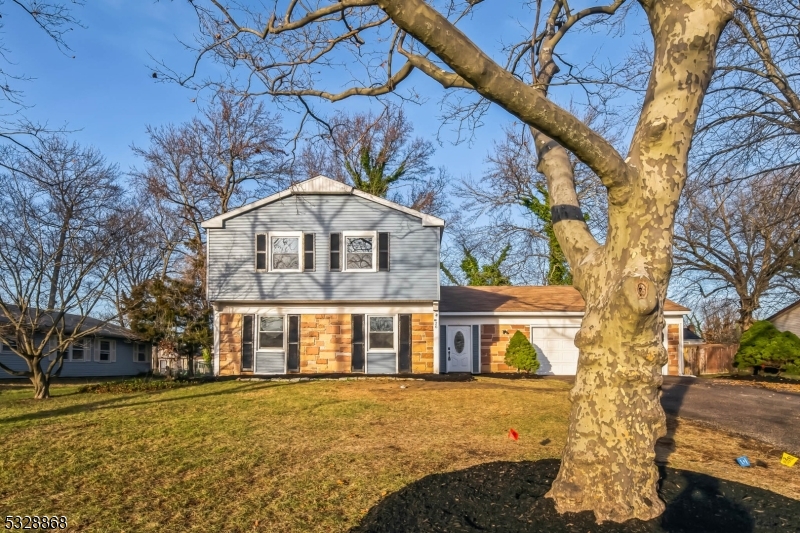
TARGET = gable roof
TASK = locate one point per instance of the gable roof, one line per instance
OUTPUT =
(509, 299)
(320, 185)
(789, 308)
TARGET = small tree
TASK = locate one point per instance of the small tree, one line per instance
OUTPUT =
(488, 275)
(521, 354)
(763, 345)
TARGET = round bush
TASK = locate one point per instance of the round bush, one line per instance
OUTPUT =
(521, 354)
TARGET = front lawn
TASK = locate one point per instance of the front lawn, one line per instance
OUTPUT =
(285, 456)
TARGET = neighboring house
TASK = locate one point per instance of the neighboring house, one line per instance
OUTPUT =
(110, 351)
(323, 277)
(788, 318)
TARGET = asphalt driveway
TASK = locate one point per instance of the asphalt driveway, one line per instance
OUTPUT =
(763, 414)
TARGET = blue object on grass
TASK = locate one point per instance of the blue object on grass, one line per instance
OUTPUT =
(743, 461)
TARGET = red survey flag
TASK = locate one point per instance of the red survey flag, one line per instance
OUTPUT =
(512, 434)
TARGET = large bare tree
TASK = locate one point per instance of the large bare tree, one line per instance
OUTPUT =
(736, 241)
(228, 156)
(61, 219)
(297, 50)
(377, 153)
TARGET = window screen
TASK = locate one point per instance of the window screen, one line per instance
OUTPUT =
(381, 333)
(270, 332)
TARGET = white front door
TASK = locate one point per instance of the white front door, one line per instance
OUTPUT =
(458, 348)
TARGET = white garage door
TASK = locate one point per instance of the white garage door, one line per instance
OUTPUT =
(556, 349)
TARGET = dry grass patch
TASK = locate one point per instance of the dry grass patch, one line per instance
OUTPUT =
(270, 456)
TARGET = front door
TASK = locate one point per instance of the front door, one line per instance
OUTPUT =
(458, 348)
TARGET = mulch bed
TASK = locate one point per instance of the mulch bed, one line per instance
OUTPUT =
(509, 497)
(776, 383)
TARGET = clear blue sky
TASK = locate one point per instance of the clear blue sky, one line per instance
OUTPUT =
(107, 94)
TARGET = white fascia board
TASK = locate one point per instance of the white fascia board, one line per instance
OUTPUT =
(219, 220)
(320, 185)
(387, 308)
(427, 220)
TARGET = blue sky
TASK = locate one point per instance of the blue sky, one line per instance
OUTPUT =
(106, 92)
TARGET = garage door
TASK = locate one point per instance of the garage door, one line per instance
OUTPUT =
(555, 347)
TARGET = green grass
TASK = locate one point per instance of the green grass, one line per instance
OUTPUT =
(257, 456)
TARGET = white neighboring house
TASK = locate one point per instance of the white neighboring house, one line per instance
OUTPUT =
(788, 318)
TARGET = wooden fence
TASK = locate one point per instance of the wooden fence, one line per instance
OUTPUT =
(700, 359)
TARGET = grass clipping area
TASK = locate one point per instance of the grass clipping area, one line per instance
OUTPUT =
(291, 456)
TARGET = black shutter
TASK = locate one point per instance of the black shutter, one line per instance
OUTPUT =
(336, 254)
(293, 355)
(383, 251)
(247, 343)
(357, 349)
(261, 252)
(404, 360)
(308, 252)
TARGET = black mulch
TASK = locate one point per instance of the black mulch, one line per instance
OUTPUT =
(509, 497)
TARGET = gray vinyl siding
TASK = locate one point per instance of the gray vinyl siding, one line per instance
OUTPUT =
(413, 261)
(788, 321)
(123, 366)
(270, 363)
(381, 363)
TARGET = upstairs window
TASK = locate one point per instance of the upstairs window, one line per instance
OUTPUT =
(360, 251)
(279, 251)
(285, 251)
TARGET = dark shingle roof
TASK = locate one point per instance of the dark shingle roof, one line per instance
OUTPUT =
(71, 322)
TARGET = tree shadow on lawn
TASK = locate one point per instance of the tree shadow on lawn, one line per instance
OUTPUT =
(509, 497)
(115, 403)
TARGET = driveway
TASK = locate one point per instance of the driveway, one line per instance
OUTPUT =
(766, 415)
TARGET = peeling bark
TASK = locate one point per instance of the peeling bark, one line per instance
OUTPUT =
(608, 464)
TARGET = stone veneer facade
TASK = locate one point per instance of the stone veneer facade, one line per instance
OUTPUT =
(325, 343)
(673, 346)
(494, 341)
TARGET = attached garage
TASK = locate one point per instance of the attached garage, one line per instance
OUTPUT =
(549, 317)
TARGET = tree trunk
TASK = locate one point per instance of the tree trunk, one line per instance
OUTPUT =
(40, 380)
(608, 463)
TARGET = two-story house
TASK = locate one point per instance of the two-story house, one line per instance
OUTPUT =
(324, 278)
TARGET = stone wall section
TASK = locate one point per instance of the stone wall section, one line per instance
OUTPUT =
(230, 344)
(325, 343)
(422, 343)
(673, 349)
(494, 341)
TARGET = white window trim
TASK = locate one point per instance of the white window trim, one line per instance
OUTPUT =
(257, 344)
(300, 250)
(343, 252)
(87, 351)
(112, 349)
(395, 328)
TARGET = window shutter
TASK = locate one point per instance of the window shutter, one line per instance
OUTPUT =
(336, 252)
(148, 352)
(112, 346)
(383, 251)
(94, 349)
(261, 252)
(308, 252)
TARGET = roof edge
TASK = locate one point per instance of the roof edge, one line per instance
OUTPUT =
(320, 185)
